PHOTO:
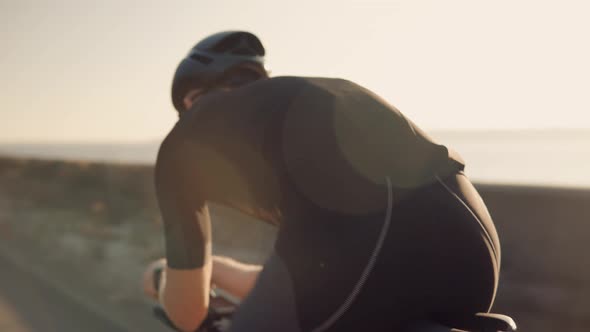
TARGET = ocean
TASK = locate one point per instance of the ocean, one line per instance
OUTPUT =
(529, 157)
(540, 157)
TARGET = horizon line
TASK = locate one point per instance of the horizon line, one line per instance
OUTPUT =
(433, 130)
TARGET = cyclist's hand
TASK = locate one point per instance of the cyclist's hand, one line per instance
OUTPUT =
(149, 287)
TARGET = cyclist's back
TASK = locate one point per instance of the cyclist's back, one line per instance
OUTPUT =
(314, 134)
(378, 223)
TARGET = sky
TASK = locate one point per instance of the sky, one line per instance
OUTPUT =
(100, 71)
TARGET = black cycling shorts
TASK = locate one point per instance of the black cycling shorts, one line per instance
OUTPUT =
(432, 253)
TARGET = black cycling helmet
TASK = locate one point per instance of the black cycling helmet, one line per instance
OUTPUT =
(213, 56)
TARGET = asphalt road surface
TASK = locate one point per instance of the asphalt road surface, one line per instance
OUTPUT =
(27, 304)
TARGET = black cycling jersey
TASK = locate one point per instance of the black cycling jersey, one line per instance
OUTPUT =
(283, 148)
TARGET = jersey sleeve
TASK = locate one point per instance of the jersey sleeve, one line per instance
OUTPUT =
(181, 192)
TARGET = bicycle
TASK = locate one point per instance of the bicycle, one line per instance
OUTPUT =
(223, 306)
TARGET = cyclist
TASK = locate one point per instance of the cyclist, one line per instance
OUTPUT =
(378, 223)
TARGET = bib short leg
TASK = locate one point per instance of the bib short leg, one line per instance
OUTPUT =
(435, 252)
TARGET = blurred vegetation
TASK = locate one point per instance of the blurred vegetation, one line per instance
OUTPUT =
(110, 194)
(93, 228)
(107, 203)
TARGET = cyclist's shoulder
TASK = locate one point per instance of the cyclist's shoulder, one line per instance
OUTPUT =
(307, 83)
(172, 148)
(318, 82)
(187, 137)
(218, 111)
(329, 88)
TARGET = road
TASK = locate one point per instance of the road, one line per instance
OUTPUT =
(27, 304)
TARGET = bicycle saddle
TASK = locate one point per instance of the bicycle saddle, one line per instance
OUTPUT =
(480, 322)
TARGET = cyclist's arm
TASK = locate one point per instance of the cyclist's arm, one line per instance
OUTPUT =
(234, 277)
(184, 288)
(183, 296)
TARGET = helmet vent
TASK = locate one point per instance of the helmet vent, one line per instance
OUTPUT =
(201, 58)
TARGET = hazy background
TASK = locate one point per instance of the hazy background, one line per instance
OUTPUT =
(101, 71)
(466, 71)
(505, 83)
